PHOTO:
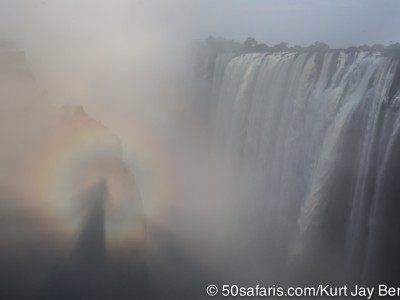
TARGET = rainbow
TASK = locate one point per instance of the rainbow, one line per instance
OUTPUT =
(74, 155)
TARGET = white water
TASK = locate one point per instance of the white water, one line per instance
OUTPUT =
(313, 141)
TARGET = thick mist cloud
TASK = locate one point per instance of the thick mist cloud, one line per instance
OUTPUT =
(86, 52)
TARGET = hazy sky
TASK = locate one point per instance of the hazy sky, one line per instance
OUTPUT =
(337, 22)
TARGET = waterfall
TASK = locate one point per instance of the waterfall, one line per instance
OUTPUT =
(314, 140)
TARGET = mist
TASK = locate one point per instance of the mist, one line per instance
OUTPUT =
(152, 148)
(95, 92)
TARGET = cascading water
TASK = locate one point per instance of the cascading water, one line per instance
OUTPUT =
(314, 139)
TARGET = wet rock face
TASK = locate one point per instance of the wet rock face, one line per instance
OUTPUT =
(312, 137)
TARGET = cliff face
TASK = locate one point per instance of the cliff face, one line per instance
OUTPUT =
(22, 113)
(312, 139)
(49, 159)
(37, 137)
